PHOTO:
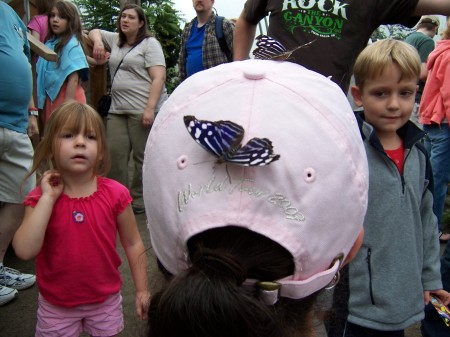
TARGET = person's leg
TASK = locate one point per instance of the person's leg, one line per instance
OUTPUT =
(16, 154)
(139, 136)
(118, 140)
(11, 215)
(55, 321)
(104, 319)
(10, 219)
(439, 144)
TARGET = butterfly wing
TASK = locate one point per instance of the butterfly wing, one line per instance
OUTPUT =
(257, 152)
(267, 48)
(219, 138)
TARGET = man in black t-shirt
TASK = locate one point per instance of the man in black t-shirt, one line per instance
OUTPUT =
(338, 29)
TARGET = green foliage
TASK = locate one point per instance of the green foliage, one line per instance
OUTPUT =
(397, 32)
(163, 20)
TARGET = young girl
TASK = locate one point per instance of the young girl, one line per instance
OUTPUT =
(70, 224)
(60, 81)
(38, 25)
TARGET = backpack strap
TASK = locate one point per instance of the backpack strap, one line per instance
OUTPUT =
(221, 38)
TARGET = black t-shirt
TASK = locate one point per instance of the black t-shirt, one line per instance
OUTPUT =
(339, 29)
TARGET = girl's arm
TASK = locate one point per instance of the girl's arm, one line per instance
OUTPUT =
(158, 77)
(72, 83)
(36, 34)
(137, 260)
(28, 240)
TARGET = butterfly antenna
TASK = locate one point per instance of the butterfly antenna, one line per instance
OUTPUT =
(286, 55)
(228, 173)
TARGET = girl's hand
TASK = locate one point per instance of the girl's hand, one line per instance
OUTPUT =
(148, 117)
(52, 184)
(142, 304)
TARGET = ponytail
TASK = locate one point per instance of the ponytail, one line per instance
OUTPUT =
(208, 299)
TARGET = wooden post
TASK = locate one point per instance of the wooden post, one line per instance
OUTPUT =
(97, 78)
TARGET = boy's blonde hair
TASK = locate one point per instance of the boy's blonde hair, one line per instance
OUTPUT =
(372, 61)
(75, 117)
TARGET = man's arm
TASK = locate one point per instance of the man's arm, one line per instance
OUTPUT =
(432, 7)
(244, 34)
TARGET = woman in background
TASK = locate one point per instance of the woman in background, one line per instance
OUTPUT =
(138, 73)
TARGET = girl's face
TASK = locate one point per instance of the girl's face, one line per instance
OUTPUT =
(129, 22)
(77, 151)
(58, 24)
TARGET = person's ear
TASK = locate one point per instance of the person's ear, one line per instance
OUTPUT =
(355, 247)
(357, 95)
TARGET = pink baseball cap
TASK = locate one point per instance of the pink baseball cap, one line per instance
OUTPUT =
(311, 200)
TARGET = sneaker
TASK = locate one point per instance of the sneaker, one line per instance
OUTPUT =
(7, 294)
(138, 209)
(12, 278)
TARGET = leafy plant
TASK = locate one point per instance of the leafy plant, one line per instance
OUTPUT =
(397, 32)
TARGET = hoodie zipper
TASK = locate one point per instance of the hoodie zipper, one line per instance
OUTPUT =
(369, 266)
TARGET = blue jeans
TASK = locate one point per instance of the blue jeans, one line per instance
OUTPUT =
(437, 143)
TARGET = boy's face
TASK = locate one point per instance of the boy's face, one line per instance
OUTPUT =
(387, 100)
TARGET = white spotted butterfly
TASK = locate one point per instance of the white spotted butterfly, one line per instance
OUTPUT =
(267, 48)
(223, 140)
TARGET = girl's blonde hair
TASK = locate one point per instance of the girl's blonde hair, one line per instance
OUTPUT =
(74, 117)
(372, 61)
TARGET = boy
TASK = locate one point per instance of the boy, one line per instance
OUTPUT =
(399, 258)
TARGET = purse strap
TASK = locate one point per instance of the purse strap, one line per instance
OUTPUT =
(120, 63)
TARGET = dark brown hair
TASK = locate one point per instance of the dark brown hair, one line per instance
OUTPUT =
(44, 6)
(208, 299)
(69, 11)
(143, 32)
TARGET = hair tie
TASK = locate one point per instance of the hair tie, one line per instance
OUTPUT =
(219, 264)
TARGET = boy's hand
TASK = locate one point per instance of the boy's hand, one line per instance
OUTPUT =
(440, 294)
(142, 304)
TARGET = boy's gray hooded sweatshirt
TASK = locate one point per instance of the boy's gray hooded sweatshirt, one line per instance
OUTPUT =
(399, 257)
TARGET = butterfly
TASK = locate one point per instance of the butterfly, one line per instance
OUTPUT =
(267, 48)
(223, 140)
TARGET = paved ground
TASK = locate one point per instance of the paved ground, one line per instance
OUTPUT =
(18, 318)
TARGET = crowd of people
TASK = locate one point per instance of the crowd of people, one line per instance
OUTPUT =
(251, 217)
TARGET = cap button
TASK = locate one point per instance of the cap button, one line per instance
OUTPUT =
(254, 72)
